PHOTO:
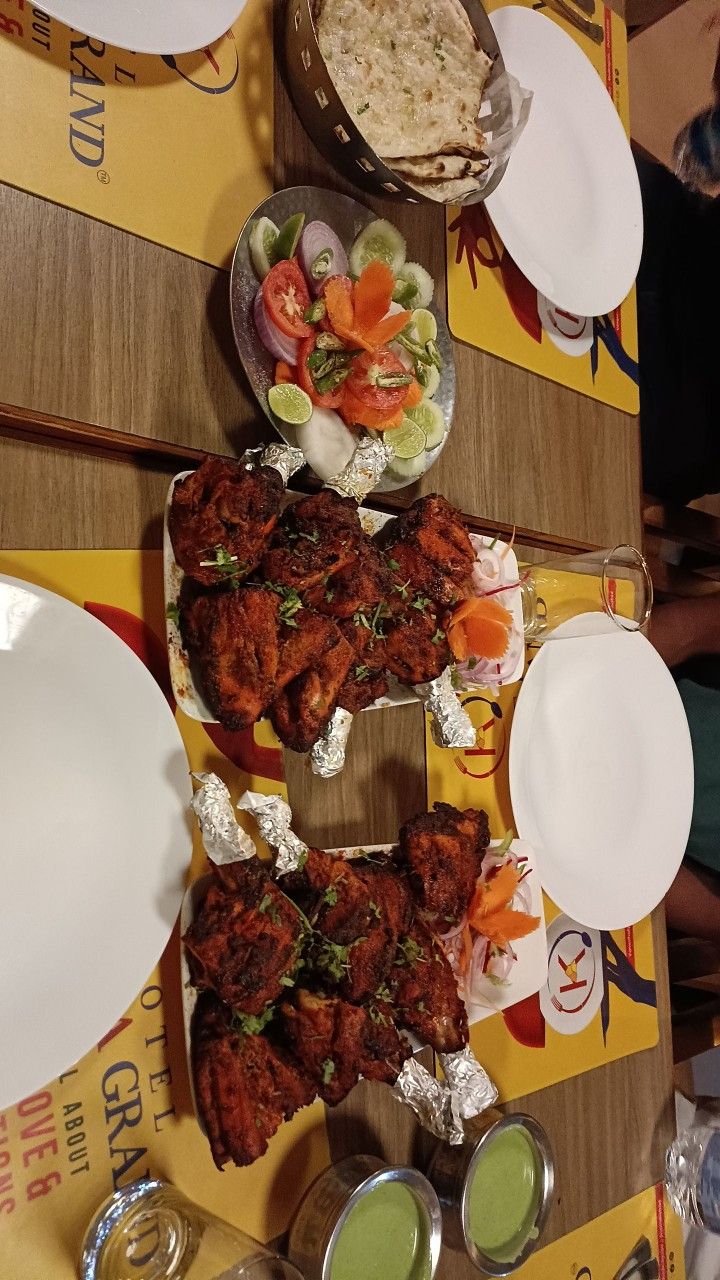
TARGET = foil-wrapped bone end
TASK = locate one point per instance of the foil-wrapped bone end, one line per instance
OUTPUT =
(283, 458)
(327, 757)
(471, 1087)
(364, 469)
(451, 725)
(430, 1100)
(223, 838)
(273, 816)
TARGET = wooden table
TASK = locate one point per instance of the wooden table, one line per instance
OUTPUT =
(87, 336)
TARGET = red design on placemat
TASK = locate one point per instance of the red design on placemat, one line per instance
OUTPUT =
(242, 749)
(526, 1023)
(476, 243)
(139, 637)
(630, 945)
(660, 1220)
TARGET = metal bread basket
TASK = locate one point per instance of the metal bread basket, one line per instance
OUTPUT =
(336, 135)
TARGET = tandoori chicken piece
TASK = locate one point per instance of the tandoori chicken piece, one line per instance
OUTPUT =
(443, 853)
(245, 1085)
(357, 916)
(356, 588)
(415, 645)
(232, 639)
(301, 711)
(245, 939)
(429, 548)
(315, 539)
(424, 992)
(304, 639)
(336, 1042)
(366, 679)
(221, 518)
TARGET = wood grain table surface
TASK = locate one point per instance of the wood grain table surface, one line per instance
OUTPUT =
(104, 327)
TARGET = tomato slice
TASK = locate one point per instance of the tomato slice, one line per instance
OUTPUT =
(286, 298)
(331, 399)
(362, 382)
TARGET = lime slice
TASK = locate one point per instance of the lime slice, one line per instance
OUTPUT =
(290, 403)
(425, 326)
(408, 440)
(287, 238)
(432, 376)
(429, 418)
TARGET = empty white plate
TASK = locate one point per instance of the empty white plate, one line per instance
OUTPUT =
(149, 26)
(95, 838)
(601, 775)
(568, 209)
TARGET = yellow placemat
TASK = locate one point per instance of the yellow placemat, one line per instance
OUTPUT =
(124, 1109)
(598, 1250)
(522, 1049)
(176, 149)
(491, 304)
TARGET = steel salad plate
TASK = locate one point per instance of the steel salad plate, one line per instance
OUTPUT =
(149, 26)
(601, 774)
(568, 209)
(347, 217)
(96, 841)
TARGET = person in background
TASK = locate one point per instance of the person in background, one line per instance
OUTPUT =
(678, 290)
(686, 634)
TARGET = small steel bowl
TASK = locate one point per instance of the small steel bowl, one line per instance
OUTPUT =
(332, 128)
(328, 1203)
(451, 1172)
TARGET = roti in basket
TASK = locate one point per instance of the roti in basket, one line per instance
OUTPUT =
(413, 83)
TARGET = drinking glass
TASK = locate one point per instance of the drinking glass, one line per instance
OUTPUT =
(150, 1231)
(579, 590)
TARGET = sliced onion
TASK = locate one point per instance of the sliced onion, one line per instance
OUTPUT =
(500, 963)
(522, 900)
(277, 343)
(317, 238)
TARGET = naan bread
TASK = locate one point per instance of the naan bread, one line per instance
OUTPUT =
(410, 73)
(437, 168)
(450, 192)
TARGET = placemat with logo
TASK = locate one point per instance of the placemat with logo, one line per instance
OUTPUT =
(177, 149)
(125, 1108)
(493, 306)
(640, 1238)
(599, 1001)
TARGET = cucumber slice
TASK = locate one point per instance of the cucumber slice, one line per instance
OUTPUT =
(379, 239)
(424, 284)
(263, 239)
(408, 468)
(288, 237)
(432, 382)
(429, 416)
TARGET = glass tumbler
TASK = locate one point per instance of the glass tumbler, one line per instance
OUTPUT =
(150, 1231)
(583, 594)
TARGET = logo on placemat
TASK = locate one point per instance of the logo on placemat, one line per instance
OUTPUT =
(216, 74)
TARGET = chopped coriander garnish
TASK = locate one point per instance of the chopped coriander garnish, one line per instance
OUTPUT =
(409, 953)
(376, 1016)
(172, 613)
(267, 906)
(330, 895)
(333, 959)
(227, 565)
(311, 537)
(360, 619)
(287, 981)
(455, 680)
(250, 1024)
(383, 993)
(421, 1006)
(373, 906)
(362, 673)
(393, 564)
(472, 663)
(439, 635)
(493, 544)
(402, 589)
(420, 603)
(328, 1070)
(329, 596)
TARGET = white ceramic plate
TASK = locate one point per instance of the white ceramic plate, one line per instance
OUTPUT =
(188, 695)
(568, 209)
(94, 794)
(149, 26)
(601, 774)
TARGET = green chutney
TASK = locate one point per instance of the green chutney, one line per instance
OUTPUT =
(504, 1195)
(385, 1237)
